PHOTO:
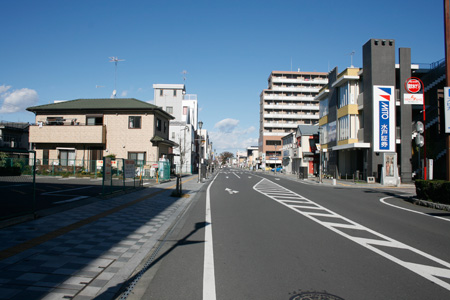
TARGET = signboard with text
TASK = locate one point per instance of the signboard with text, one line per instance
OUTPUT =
(383, 119)
(447, 109)
(414, 88)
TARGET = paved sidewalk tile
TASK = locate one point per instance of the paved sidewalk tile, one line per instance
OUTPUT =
(91, 259)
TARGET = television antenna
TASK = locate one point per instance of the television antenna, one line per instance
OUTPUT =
(184, 72)
(351, 59)
(115, 59)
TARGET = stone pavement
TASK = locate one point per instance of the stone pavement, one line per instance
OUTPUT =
(88, 252)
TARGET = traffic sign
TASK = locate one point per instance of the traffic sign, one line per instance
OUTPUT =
(413, 85)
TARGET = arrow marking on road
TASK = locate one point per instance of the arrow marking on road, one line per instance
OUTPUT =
(231, 191)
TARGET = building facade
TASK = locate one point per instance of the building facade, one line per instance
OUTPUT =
(184, 108)
(288, 101)
(76, 132)
(366, 121)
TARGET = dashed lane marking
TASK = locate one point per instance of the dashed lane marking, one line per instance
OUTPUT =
(343, 226)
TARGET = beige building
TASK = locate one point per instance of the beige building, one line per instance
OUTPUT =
(286, 103)
(74, 132)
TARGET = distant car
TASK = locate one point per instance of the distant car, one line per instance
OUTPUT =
(268, 168)
(277, 169)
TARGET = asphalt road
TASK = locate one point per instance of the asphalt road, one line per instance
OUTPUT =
(273, 238)
(17, 193)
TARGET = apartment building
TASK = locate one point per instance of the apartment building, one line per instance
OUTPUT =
(73, 133)
(184, 108)
(288, 101)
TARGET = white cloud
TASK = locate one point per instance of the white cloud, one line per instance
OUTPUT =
(227, 125)
(17, 100)
(124, 94)
(4, 89)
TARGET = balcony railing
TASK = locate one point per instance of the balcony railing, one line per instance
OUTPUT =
(68, 134)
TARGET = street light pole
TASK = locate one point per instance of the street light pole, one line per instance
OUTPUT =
(320, 154)
(200, 125)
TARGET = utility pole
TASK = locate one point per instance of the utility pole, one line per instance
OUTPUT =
(447, 77)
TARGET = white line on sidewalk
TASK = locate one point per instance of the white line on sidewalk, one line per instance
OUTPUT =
(209, 281)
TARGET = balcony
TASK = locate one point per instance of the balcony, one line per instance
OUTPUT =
(288, 98)
(68, 134)
(296, 107)
(296, 89)
(304, 80)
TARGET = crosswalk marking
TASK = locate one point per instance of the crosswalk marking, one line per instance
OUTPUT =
(432, 273)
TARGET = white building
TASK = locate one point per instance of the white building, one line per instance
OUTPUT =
(286, 103)
(184, 107)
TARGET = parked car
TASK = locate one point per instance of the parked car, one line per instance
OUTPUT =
(277, 169)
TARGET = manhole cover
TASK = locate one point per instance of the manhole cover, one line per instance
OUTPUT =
(315, 296)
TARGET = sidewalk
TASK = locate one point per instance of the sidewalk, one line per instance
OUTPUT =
(88, 252)
(344, 183)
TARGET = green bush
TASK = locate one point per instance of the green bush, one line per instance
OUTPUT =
(434, 190)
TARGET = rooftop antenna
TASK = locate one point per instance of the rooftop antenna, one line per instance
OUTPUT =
(184, 72)
(115, 59)
(351, 59)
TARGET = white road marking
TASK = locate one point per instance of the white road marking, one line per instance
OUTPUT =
(431, 273)
(236, 175)
(71, 200)
(383, 200)
(63, 191)
(230, 191)
(209, 281)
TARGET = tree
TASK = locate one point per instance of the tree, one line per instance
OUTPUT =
(225, 156)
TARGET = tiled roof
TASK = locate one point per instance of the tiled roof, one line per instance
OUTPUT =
(97, 104)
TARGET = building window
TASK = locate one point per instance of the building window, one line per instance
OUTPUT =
(169, 109)
(273, 143)
(55, 121)
(161, 92)
(174, 93)
(138, 157)
(94, 120)
(134, 122)
(158, 124)
(67, 157)
(173, 135)
(185, 110)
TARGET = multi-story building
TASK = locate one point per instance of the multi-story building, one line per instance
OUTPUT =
(300, 151)
(76, 132)
(286, 103)
(367, 122)
(173, 99)
(14, 138)
(253, 157)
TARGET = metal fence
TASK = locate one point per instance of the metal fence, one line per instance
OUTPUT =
(94, 168)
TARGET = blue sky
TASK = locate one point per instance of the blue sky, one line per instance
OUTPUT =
(59, 50)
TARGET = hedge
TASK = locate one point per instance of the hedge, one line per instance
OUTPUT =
(433, 190)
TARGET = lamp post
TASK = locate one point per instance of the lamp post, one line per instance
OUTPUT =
(200, 125)
(320, 154)
(183, 151)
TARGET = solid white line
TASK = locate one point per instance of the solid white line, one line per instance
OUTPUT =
(237, 175)
(71, 200)
(428, 272)
(383, 200)
(62, 191)
(209, 281)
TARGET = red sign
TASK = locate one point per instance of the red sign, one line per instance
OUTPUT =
(413, 85)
